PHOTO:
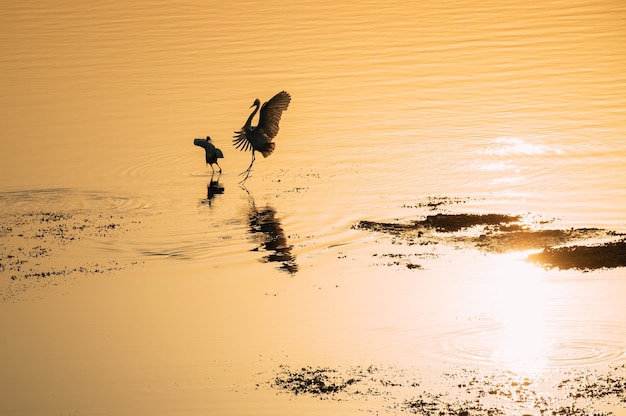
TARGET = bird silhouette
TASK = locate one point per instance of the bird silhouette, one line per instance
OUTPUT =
(259, 137)
(212, 153)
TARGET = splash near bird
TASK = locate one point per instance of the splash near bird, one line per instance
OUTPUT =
(260, 138)
(212, 153)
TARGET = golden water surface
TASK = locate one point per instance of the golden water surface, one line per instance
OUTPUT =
(181, 292)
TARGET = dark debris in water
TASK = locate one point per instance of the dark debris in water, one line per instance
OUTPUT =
(463, 392)
(607, 255)
(399, 259)
(314, 381)
(438, 202)
(40, 248)
(519, 240)
(438, 404)
(501, 233)
(456, 222)
(445, 223)
(598, 386)
(335, 384)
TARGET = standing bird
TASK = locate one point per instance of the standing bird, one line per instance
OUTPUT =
(259, 138)
(212, 152)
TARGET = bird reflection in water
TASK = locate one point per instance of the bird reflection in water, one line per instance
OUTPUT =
(213, 188)
(266, 230)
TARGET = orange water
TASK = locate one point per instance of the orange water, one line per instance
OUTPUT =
(511, 107)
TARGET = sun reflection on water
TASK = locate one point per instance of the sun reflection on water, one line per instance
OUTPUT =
(512, 160)
(518, 146)
(520, 309)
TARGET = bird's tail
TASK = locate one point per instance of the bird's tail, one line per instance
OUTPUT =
(268, 149)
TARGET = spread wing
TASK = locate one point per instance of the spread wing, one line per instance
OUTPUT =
(241, 141)
(271, 112)
(200, 142)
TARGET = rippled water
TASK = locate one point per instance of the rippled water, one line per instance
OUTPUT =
(500, 106)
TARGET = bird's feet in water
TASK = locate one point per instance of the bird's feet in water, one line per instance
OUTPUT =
(246, 173)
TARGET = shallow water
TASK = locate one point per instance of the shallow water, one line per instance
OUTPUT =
(167, 281)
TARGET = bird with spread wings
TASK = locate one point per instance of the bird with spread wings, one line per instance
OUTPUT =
(260, 137)
(212, 153)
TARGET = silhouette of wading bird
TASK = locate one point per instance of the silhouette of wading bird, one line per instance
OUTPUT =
(260, 138)
(212, 153)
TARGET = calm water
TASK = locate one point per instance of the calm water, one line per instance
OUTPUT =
(508, 107)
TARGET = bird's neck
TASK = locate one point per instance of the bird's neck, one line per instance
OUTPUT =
(249, 122)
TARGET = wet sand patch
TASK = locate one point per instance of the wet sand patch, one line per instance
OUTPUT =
(461, 392)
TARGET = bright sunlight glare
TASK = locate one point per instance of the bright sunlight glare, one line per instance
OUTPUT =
(520, 309)
(517, 146)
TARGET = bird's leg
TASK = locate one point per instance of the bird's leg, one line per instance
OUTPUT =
(212, 170)
(247, 171)
(218, 165)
